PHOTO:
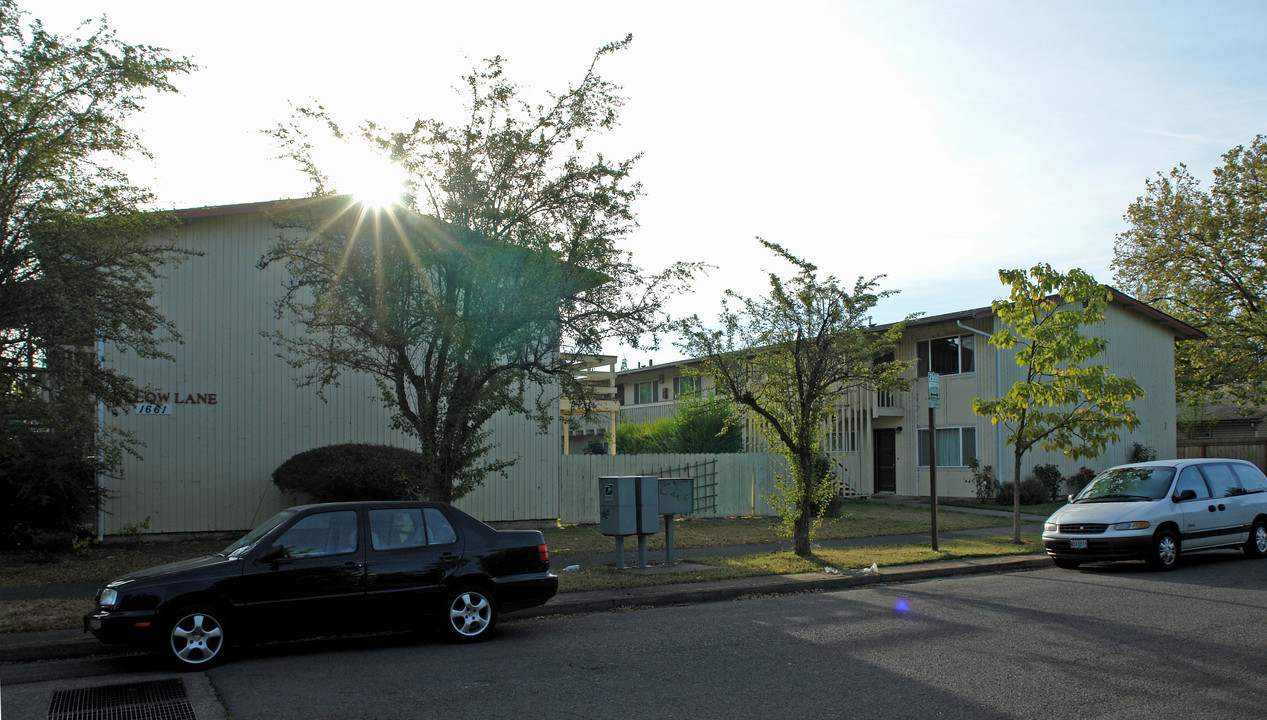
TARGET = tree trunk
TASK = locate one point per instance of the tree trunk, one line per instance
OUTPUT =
(1016, 501)
(804, 520)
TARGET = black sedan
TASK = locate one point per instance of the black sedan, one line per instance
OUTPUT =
(338, 567)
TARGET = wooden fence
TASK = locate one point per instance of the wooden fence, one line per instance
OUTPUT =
(1254, 451)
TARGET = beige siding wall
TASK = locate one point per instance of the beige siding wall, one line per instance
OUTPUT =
(236, 413)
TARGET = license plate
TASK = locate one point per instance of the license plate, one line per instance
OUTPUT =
(1077, 544)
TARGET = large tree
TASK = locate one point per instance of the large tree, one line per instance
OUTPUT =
(76, 262)
(501, 260)
(1064, 401)
(785, 359)
(1201, 255)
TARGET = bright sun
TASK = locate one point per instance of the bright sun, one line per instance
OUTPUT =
(370, 178)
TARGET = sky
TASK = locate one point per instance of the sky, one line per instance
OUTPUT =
(933, 142)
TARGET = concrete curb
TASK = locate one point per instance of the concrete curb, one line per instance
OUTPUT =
(68, 644)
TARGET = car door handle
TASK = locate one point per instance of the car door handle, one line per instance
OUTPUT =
(353, 565)
(449, 557)
(1221, 507)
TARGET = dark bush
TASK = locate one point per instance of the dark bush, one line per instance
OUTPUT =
(339, 473)
(1049, 476)
(49, 488)
(1141, 453)
(1079, 480)
(1033, 492)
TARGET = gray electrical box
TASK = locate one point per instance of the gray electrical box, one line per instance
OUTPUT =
(677, 496)
(628, 505)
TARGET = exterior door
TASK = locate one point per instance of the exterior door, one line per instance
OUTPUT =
(885, 447)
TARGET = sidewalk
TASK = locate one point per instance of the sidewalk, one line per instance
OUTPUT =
(63, 644)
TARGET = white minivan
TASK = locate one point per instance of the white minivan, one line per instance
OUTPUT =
(1155, 510)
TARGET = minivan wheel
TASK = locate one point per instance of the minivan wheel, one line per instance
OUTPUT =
(469, 614)
(1164, 552)
(194, 638)
(1256, 546)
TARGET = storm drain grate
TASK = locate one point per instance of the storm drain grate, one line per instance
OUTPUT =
(155, 700)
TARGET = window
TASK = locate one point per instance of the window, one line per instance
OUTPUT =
(439, 531)
(1251, 478)
(645, 392)
(396, 528)
(1190, 479)
(946, 356)
(683, 385)
(1222, 482)
(956, 446)
(329, 533)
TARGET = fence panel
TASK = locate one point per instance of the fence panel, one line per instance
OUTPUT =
(1254, 451)
(725, 485)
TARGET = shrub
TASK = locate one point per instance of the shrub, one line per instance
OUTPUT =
(1033, 492)
(1049, 476)
(700, 426)
(656, 436)
(340, 473)
(983, 481)
(597, 446)
(49, 488)
(1141, 453)
(1079, 480)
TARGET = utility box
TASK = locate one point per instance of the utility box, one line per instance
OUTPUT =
(677, 496)
(628, 505)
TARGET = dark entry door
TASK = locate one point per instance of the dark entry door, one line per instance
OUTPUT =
(885, 460)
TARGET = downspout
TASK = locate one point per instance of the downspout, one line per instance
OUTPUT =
(101, 477)
(998, 392)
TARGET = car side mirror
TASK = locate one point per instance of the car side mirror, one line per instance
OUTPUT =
(1188, 494)
(272, 554)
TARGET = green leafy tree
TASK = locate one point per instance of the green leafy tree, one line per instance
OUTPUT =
(1198, 255)
(467, 298)
(1063, 401)
(785, 359)
(77, 261)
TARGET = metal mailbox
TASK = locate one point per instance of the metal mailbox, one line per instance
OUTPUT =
(628, 505)
(677, 496)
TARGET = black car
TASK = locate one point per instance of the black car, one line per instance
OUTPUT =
(336, 567)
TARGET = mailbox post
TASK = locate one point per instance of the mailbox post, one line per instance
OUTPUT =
(628, 505)
(677, 497)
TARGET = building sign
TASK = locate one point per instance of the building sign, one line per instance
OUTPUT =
(159, 402)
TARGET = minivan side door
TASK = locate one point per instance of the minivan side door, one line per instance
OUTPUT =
(1226, 505)
(1199, 522)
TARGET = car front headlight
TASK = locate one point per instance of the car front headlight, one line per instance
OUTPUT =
(1051, 527)
(109, 597)
(1137, 525)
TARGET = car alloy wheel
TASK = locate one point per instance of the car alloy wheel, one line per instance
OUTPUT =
(1165, 550)
(196, 638)
(470, 614)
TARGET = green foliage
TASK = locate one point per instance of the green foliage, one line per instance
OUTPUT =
(339, 473)
(1141, 453)
(597, 446)
(1063, 402)
(785, 359)
(77, 262)
(476, 307)
(49, 488)
(1198, 255)
(701, 425)
(1033, 492)
(1079, 480)
(1049, 476)
(655, 436)
(984, 484)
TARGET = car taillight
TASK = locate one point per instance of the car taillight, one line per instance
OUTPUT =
(543, 552)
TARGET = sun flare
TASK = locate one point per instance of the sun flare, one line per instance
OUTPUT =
(365, 175)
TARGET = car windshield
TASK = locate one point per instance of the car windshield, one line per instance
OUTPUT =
(243, 545)
(1130, 483)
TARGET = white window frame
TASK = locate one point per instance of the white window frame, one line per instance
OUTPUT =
(921, 453)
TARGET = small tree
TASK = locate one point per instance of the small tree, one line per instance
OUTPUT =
(77, 262)
(467, 298)
(1062, 402)
(785, 359)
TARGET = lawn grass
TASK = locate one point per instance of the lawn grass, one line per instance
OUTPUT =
(859, 518)
(603, 577)
(99, 563)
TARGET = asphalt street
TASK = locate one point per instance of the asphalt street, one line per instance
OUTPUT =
(1106, 641)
